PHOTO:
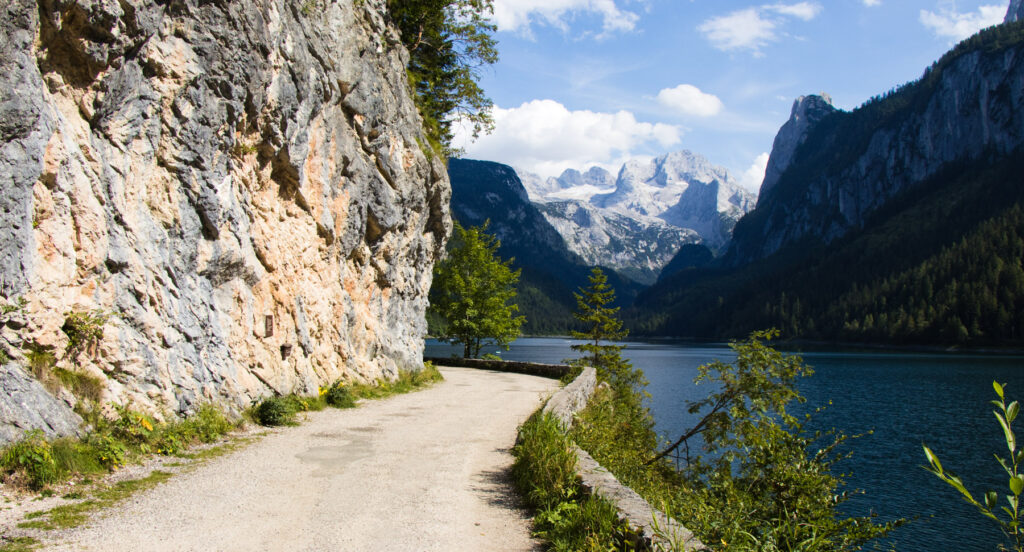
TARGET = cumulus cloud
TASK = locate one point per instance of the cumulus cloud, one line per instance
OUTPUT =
(872, 3)
(544, 137)
(520, 15)
(690, 100)
(950, 24)
(753, 28)
(752, 178)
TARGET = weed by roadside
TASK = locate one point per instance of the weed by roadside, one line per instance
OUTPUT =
(35, 463)
(281, 410)
(544, 472)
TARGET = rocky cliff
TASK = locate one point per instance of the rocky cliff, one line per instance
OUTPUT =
(807, 112)
(1015, 12)
(967, 106)
(242, 185)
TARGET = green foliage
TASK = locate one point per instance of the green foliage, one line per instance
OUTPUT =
(281, 410)
(18, 544)
(472, 291)
(449, 43)
(338, 396)
(15, 305)
(601, 324)
(133, 427)
(545, 465)
(33, 456)
(1012, 464)
(276, 411)
(110, 452)
(756, 486)
(544, 472)
(83, 386)
(111, 444)
(84, 329)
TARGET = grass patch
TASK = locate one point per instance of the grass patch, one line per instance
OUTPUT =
(73, 515)
(544, 472)
(36, 463)
(18, 544)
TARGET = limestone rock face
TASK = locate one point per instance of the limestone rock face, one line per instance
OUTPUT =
(971, 106)
(1015, 12)
(807, 111)
(27, 405)
(242, 184)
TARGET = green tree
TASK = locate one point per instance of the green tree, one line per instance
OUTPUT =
(755, 486)
(449, 43)
(473, 291)
(602, 326)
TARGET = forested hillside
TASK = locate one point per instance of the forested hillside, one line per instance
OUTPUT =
(937, 260)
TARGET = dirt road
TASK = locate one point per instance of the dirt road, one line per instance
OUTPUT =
(423, 471)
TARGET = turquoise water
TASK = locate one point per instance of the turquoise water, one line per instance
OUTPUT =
(906, 398)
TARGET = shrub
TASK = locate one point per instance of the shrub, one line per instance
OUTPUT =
(210, 423)
(133, 427)
(109, 451)
(275, 411)
(84, 329)
(33, 456)
(338, 396)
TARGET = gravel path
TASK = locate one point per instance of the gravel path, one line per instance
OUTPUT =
(423, 471)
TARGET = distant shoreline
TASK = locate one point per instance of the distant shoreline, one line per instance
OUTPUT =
(801, 345)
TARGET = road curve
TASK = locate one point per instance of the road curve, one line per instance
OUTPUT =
(416, 472)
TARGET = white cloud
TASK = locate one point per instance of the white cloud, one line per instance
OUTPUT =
(872, 3)
(753, 28)
(520, 15)
(803, 10)
(744, 29)
(690, 100)
(752, 178)
(544, 137)
(948, 23)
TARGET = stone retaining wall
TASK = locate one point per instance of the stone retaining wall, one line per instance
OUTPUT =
(594, 478)
(555, 371)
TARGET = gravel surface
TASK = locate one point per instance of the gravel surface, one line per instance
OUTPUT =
(423, 471)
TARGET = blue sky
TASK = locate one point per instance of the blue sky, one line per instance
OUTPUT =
(596, 82)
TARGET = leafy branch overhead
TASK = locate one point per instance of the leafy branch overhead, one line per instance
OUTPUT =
(449, 43)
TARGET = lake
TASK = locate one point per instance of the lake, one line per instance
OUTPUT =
(941, 399)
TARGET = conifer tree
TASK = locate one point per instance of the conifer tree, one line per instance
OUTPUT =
(602, 326)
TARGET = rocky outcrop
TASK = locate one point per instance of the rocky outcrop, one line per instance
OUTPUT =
(26, 405)
(243, 185)
(807, 111)
(1015, 12)
(968, 106)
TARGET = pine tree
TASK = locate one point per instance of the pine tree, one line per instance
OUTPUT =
(602, 326)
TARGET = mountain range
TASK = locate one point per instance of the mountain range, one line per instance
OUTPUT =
(896, 222)
(637, 221)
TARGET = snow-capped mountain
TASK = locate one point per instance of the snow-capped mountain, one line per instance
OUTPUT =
(637, 248)
(636, 221)
(571, 184)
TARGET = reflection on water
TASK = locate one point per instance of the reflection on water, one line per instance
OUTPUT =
(906, 399)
